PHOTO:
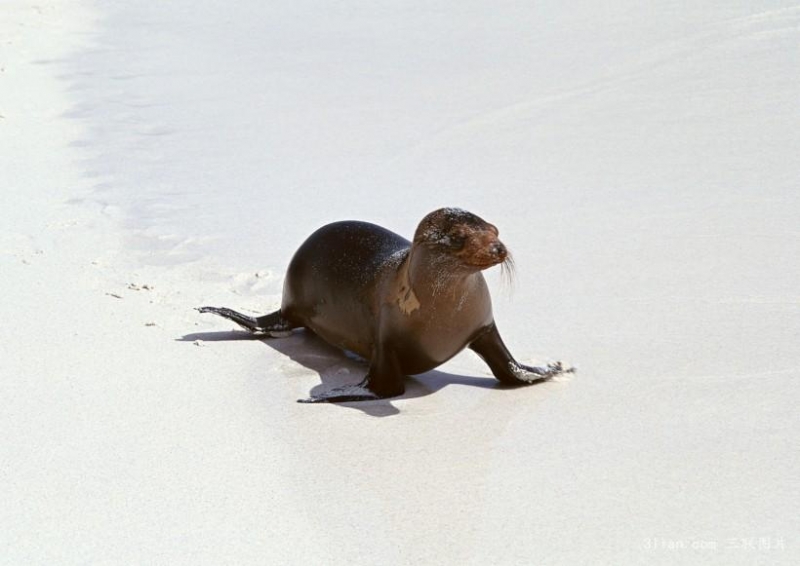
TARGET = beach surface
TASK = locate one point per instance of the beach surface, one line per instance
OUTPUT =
(641, 162)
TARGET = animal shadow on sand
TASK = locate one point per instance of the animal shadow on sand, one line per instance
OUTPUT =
(336, 368)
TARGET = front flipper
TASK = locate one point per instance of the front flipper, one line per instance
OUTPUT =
(532, 374)
(505, 368)
(360, 392)
(384, 380)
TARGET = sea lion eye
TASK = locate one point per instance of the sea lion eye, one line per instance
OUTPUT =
(456, 239)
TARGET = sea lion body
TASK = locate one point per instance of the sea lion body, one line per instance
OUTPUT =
(335, 281)
(344, 284)
(407, 307)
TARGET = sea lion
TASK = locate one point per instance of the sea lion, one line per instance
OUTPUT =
(406, 307)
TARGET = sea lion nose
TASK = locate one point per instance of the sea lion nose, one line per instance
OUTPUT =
(498, 249)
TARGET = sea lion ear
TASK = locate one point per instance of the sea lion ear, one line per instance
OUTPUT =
(431, 236)
(440, 236)
(428, 231)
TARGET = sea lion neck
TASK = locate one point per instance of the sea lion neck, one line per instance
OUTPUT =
(429, 269)
(424, 277)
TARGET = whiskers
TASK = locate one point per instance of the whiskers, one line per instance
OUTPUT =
(508, 272)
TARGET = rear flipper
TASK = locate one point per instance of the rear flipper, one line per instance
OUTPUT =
(272, 324)
(505, 368)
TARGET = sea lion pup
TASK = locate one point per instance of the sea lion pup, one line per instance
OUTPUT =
(405, 307)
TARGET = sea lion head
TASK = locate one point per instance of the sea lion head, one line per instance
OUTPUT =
(462, 239)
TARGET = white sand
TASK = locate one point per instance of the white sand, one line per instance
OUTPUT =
(640, 162)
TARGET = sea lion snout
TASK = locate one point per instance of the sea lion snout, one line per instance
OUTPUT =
(485, 250)
(498, 249)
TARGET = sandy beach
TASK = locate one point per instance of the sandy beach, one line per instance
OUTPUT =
(639, 161)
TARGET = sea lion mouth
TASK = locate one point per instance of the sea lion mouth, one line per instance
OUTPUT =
(484, 265)
(484, 250)
(495, 254)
